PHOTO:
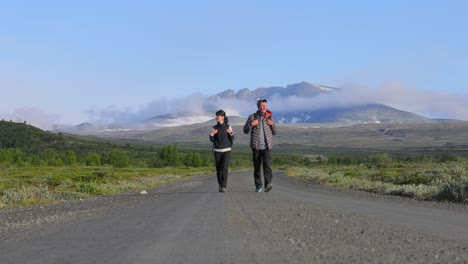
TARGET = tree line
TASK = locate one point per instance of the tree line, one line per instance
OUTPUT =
(168, 156)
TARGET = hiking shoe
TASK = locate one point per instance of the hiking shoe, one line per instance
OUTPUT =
(220, 189)
(259, 189)
(223, 189)
(268, 187)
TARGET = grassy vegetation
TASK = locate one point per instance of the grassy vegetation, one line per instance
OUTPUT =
(43, 167)
(443, 178)
(45, 184)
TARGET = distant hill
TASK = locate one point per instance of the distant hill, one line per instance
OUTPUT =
(424, 138)
(361, 114)
(176, 119)
(33, 140)
(154, 123)
(26, 137)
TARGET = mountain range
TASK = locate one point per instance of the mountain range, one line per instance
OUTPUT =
(303, 89)
(369, 113)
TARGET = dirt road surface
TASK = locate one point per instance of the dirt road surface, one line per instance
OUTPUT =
(191, 222)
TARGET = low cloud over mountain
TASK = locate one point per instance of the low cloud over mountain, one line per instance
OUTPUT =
(295, 103)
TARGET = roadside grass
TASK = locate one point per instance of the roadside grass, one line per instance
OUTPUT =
(422, 181)
(21, 186)
(423, 178)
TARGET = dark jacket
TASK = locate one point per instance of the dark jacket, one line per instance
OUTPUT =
(222, 140)
(270, 131)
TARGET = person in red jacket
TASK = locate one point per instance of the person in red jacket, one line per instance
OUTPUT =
(262, 128)
(222, 137)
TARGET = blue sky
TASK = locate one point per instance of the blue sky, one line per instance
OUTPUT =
(72, 61)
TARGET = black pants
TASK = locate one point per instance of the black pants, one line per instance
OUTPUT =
(222, 167)
(262, 157)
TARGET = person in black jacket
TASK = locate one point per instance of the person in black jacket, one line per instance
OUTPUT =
(222, 137)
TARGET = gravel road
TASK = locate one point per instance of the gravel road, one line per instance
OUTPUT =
(191, 222)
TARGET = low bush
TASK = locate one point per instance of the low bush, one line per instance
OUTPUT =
(26, 195)
(422, 181)
(455, 186)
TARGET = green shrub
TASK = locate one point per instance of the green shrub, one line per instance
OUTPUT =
(454, 187)
(92, 188)
(25, 195)
(355, 172)
(93, 159)
(54, 180)
(69, 158)
(100, 174)
(379, 160)
(85, 178)
(448, 157)
(119, 158)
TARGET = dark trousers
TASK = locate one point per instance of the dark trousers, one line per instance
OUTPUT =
(222, 167)
(262, 158)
